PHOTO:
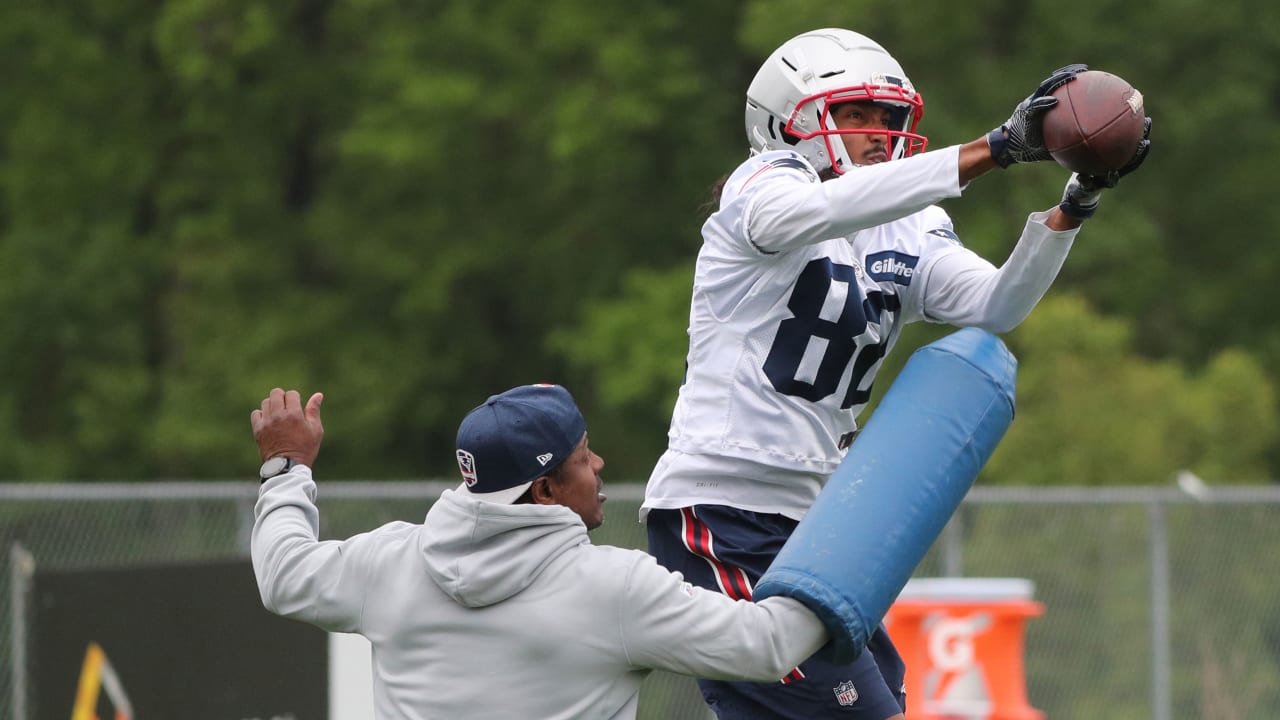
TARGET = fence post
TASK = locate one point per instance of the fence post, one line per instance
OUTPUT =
(22, 565)
(1161, 707)
(953, 546)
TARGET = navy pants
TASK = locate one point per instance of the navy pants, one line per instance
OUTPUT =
(727, 550)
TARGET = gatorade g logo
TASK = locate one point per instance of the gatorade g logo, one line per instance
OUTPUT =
(951, 644)
(956, 677)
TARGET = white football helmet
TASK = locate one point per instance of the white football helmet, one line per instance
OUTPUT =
(789, 102)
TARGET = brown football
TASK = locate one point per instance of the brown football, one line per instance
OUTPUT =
(1096, 125)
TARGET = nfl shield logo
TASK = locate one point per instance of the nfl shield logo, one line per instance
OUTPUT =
(846, 694)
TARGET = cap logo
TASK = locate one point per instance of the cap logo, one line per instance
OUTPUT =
(467, 464)
(545, 458)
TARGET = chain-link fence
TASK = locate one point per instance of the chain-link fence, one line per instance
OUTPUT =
(1158, 603)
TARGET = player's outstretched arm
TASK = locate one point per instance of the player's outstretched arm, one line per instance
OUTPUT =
(1020, 139)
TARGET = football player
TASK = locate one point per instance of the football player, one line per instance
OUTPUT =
(824, 243)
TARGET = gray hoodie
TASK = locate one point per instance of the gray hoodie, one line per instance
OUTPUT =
(509, 611)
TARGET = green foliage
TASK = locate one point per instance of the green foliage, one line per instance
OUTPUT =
(410, 206)
(632, 350)
(1091, 412)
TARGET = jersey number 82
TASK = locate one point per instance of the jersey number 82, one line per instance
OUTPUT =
(826, 332)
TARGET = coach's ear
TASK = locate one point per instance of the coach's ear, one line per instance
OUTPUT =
(541, 493)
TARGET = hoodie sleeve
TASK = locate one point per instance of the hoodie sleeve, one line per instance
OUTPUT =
(300, 577)
(668, 624)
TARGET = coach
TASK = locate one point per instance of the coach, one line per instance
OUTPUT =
(498, 605)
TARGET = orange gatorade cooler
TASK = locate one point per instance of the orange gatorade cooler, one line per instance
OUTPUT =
(962, 641)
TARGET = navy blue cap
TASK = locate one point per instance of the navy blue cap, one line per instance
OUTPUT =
(516, 437)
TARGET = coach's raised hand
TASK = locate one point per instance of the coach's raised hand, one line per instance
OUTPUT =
(283, 427)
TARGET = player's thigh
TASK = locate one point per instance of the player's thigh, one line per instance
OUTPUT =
(723, 549)
(717, 547)
(856, 690)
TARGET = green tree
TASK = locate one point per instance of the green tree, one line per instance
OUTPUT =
(1090, 412)
(411, 206)
(79, 273)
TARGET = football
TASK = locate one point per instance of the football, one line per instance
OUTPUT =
(1096, 125)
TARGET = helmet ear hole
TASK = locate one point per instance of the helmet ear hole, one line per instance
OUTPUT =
(772, 121)
(778, 132)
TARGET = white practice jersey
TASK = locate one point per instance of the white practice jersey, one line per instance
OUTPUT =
(800, 289)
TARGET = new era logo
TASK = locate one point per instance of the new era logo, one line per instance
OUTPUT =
(545, 458)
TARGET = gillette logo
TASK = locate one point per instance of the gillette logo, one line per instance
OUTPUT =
(890, 265)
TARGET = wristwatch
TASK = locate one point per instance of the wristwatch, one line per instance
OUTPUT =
(274, 466)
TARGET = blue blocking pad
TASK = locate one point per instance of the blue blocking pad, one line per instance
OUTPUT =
(900, 482)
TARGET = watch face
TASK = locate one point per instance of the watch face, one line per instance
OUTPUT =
(273, 467)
